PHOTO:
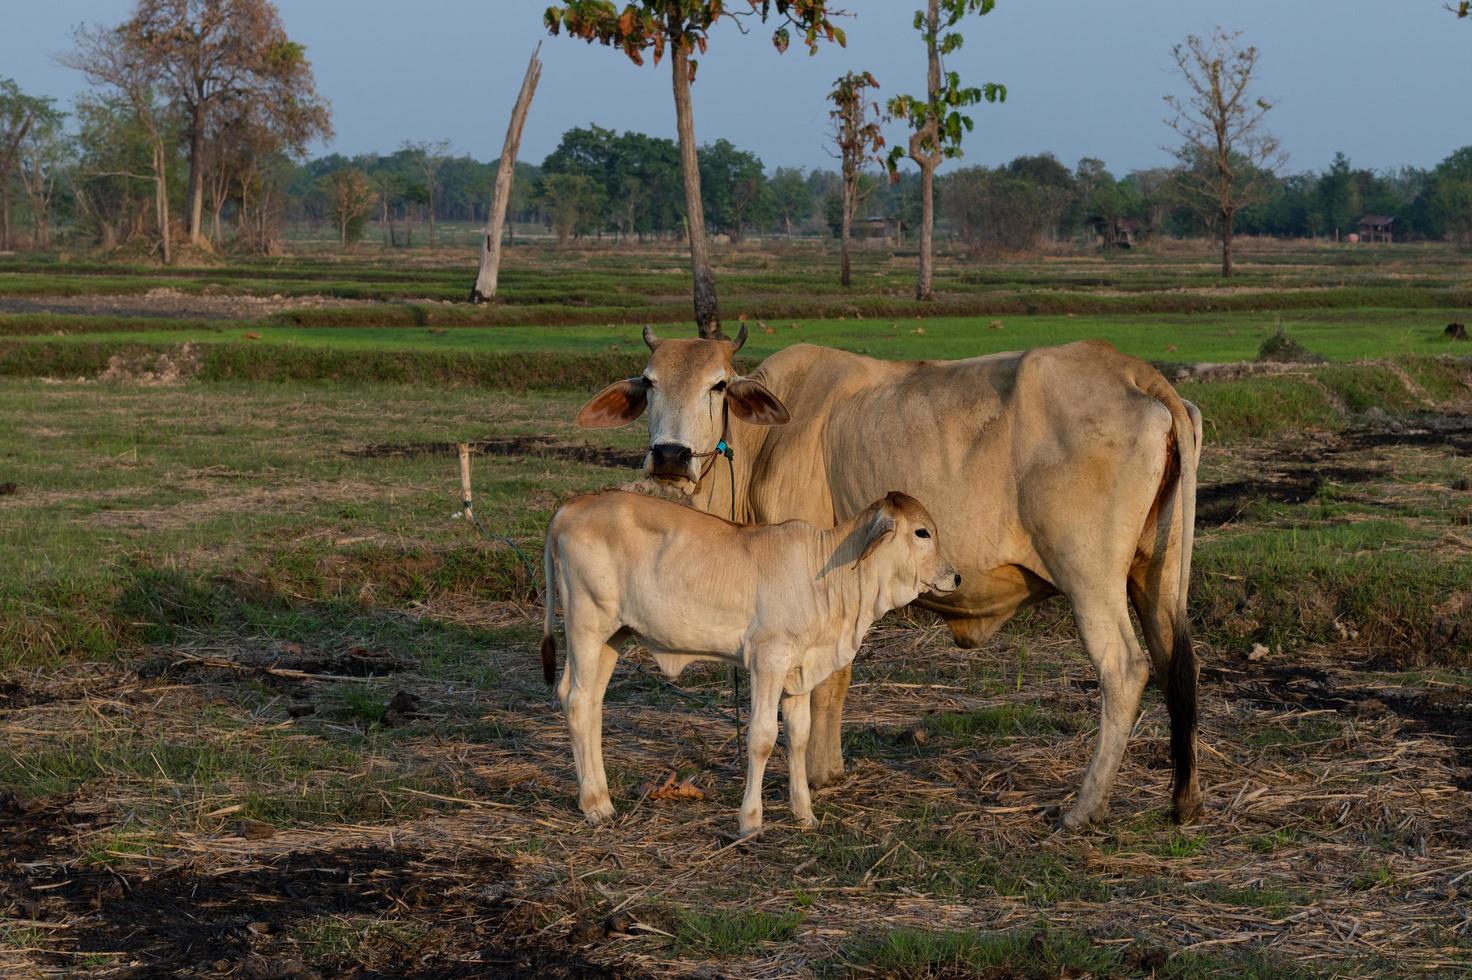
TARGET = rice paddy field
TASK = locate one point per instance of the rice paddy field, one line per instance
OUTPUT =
(269, 708)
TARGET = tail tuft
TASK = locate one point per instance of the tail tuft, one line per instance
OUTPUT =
(1180, 702)
(549, 659)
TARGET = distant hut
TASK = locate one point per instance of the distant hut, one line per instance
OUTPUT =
(889, 228)
(1117, 232)
(1377, 228)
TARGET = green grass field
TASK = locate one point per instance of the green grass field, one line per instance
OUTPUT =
(265, 701)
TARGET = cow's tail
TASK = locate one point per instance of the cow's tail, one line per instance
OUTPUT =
(549, 616)
(1181, 677)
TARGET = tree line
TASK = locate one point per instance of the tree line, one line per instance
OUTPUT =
(201, 111)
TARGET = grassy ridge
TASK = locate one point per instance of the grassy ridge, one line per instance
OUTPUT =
(1338, 335)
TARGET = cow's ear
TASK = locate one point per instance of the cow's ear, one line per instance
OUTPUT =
(618, 404)
(751, 402)
(879, 529)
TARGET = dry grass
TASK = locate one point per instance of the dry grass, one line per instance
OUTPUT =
(1334, 838)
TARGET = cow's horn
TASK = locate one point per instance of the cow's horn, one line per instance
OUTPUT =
(740, 338)
(649, 338)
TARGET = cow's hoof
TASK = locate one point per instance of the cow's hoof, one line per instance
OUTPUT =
(1186, 809)
(826, 777)
(599, 812)
(808, 822)
(1079, 818)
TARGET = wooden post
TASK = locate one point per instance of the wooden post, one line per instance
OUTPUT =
(484, 289)
(465, 481)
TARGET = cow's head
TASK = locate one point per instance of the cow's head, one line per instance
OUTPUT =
(687, 387)
(901, 542)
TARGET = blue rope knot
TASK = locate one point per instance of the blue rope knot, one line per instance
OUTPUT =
(725, 450)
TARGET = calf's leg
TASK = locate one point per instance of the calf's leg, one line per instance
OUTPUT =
(590, 663)
(796, 716)
(761, 738)
(825, 748)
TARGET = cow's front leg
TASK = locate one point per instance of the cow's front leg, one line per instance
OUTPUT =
(796, 716)
(761, 738)
(825, 748)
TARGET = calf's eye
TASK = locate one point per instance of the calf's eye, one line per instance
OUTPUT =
(922, 533)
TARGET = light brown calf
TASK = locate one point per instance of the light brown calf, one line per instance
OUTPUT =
(789, 602)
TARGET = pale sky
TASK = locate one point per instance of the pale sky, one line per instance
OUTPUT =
(1387, 81)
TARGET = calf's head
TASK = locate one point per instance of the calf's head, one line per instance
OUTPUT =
(901, 544)
(687, 387)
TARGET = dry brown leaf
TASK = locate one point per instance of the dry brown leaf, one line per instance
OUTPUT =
(670, 788)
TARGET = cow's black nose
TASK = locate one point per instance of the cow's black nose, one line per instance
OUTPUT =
(668, 457)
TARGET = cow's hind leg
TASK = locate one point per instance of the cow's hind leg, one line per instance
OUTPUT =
(796, 716)
(1169, 641)
(825, 747)
(1109, 637)
(590, 663)
(761, 738)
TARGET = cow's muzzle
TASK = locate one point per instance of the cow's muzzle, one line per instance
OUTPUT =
(946, 584)
(670, 461)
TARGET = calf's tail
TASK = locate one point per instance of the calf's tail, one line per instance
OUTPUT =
(549, 616)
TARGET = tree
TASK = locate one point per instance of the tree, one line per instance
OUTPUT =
(44, 153)
(210, 53)
(1338, 195)
(1451, 196)
(995, 209)
(937, 119)
(350, 199)
(429, 159)
(109, 59)
(682, 27)
(1227, 153)
(792, 199)
(859, 138)
(21, 116)
(574, 203)
(733, 187)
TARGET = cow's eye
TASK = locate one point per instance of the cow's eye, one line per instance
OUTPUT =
(921, 533)
(648, 381)
(719, 387)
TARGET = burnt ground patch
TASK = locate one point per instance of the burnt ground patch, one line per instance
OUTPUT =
(256, 921)
(1442, 711)
(14, 695)
(1294, 483)
(1452, 432)
(1297, 474)
(539, 446)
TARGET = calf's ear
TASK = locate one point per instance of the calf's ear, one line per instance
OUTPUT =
(751, 402)
(880, 529)
(618, 404)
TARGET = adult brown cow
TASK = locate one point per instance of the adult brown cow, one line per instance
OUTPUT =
(1061, 470)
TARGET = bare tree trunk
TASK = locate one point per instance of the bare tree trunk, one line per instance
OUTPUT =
(161, 199)
(1227, 244)
(925, 286)
(707, 311)
(845, 276)
(196, 176)
(928, 161)
(487, 279)
(5, 210)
